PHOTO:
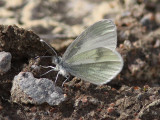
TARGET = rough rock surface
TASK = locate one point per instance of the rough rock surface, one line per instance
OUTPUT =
(27, 89)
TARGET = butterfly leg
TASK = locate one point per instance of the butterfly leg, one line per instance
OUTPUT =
(53, 69)
(65, 80)
(47, 72)
(48, 67)
(57, 77)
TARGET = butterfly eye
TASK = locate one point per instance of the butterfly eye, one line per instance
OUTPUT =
(54, 60)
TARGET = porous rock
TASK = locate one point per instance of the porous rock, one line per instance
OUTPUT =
(27, 89)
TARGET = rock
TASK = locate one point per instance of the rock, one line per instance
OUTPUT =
(128, 45)
(5, 62)
(27, 89)
(139, 64)
(85, 100)
(148, 21)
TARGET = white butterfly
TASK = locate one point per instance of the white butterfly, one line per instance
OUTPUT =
(92, 56)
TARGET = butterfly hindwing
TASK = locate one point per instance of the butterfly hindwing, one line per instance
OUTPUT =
(97, 66)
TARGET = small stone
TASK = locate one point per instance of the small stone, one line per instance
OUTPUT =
(113, 89)
(136, 88)
(112, 105)
(148, 20)
(84, 99)
(110, 110)
(27, 89)
(152, 97)
(5, 62)
(137, 66)
(157, 44)
(128, 45)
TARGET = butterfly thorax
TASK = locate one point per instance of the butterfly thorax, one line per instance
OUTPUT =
(59, 66)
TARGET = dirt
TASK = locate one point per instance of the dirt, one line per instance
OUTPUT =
(133, 95)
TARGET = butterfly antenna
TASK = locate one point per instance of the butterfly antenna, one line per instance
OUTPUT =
(49, 47)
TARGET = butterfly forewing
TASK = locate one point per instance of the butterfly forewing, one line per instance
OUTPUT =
(100, 34)
(97, 66)
(93, 56)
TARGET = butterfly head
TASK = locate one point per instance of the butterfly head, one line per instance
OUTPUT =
(56, 60)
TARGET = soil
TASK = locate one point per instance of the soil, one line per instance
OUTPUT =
(133, 95)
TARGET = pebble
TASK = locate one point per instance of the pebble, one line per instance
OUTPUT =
(112, 105)
(148, 20)
(5, 62)
(110, 110)
(27, 89)
(128, 45)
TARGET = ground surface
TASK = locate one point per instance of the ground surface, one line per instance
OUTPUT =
(134, 94)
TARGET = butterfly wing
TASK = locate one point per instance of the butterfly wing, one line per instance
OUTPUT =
(97, 66)
(100, 34)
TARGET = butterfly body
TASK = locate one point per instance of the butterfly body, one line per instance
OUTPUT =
(59, 66)
(62, 70)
